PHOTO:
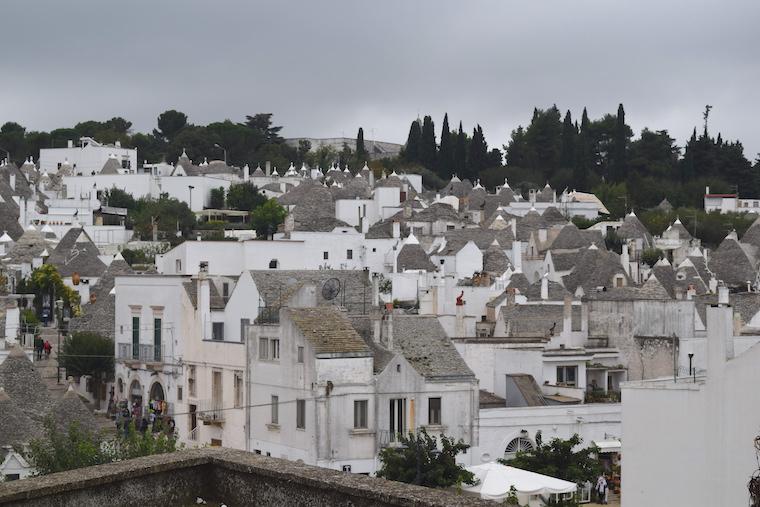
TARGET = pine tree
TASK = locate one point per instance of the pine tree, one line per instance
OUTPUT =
(460, 153)
(446, 153)
(621, 139)
(412, 151)
(427, 144)
(569, 132)
(361, 151)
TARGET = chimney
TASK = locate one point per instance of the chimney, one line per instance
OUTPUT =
(246, 172)
(713, 285)
(460, 321)
(396, 230)
(625, 259)
(567, 314)
(268, 168)
(407, 211)
(723, 296)
(511, 292)
(375, 289)
(12, 181)
(517, 256)
(70, 144)
(720, 339)
(545, 287)
(542, 235)
(204, 300)
(513, 224)
(389, 330)
(707, 190)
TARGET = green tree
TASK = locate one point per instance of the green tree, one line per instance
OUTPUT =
(559, 459)
(170, 123)
(620, 145)
(412, 147)
(428, 149)
(87, 353)
(516, 150)
(46, 281)
(583, 154)
(216, 200)
(58, 451)
(477, 156)
(12, 139)
(244, 196)
(446, 151)
(651, 255)
(173, 218)
(543, 138)
(567, 157)
(361, 151)
(266, 218)
(261, 125)
(119, 198)
(419, 461)
(460, 152)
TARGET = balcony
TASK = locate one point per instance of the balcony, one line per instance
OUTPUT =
(140, 353)
(210, 411)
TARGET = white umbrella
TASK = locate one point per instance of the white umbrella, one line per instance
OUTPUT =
(495, 480)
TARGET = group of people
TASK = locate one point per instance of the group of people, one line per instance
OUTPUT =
(42, 346)
(155, 421)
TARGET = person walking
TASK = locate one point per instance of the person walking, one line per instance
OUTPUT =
(38, 346)
(601, 489)
(48, 349)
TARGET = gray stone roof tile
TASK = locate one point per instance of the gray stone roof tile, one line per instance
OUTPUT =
(423, 342)
(328, 330)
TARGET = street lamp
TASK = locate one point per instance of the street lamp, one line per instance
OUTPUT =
(224, 150)
(59, 307)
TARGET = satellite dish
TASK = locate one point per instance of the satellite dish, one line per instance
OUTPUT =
(331, 289)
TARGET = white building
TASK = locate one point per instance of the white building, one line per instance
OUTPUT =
(690, 440)
(87, 158)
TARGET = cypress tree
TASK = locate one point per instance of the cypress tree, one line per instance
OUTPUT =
(361, 151)
(412, 151)
(618, 173)
(477, 159)
(446, 153)
(583, 154)
(460, 153)
(427, 143)
(569, 132)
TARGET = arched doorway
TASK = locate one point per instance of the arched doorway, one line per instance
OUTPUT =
(156, 400)
(135, 393)
(156, 392)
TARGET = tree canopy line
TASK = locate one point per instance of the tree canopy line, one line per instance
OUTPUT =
(599, 155)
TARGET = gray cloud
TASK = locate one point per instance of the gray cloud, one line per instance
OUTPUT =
(325, 68)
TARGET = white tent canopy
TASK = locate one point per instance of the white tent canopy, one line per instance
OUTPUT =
(495, 480)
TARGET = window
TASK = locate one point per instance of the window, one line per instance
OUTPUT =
(217, 397)
(226, 291)
(442, 261)
(178, 265)
(325, 255)
(300, 354)
(518, 444)
(263, 349)
(434, 411)
(135, 337)
(275, 410)
(374, 250)
(449, 227)
(179, 393)
(566, 375)
(273, 264)
(238, 389)
(301, 414)
(217, 331)
(274, 348)
(191, 380)
(349, 254)
(360, 414)
(397, 422)
(156, 339)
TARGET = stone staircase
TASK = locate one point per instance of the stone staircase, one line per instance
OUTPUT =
(47, 368)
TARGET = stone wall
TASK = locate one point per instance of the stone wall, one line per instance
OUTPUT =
(235, 478)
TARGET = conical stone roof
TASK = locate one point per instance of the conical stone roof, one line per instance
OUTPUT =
(24, 385)
(15, 426)
(71, 410)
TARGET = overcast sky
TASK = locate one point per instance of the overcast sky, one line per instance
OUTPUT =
(324, 68)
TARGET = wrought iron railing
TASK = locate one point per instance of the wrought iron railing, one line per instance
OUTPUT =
(144, 352)
(210, 411)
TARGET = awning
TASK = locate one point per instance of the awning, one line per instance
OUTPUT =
(495, 481)
(609, 445)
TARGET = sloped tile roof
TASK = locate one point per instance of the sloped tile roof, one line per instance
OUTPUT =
(423, 342)
(632, 228)
(16, 427)
(328, 330)
(731, 264)
(29, 246)
(413, 257)
(495, 261)
(277, 286)
(24, 385)
(71, 410)
(572, 238)
(76, 253)
(595, 268)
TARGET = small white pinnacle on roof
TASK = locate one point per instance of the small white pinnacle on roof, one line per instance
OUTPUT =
(494, 242)
(506, 185)
(394, 173)
(663, 262)
(45, 253)
(345, 169)
(686, 263)
(593, 247)
(477, 184)
(547, 185)
(678, 221)
(31, 227)
(366, 167)
(5, 238)
(455, 178)
(412, 239)
(498, 217)
(184, 154)
(631, 214)
(118, 257)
